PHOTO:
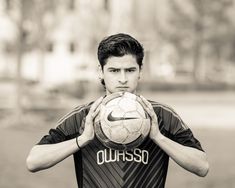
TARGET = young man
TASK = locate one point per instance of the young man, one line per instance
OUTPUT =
(120, 57)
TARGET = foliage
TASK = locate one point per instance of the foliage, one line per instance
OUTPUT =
(31, 16)
(201, 29)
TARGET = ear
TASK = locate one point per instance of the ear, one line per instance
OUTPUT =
(140, 74)
(101, 73)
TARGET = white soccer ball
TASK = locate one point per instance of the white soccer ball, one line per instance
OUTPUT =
(122, 122)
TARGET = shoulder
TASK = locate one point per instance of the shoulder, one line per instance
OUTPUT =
(169, 116)
(162, 108)
(78, 110)
(71, 122)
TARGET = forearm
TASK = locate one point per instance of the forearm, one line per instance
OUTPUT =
(45, 156)
(189, 158)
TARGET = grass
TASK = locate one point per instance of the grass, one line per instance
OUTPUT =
(218, 144)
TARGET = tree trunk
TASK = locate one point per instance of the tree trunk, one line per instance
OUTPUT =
(198, 73)
(19, 54)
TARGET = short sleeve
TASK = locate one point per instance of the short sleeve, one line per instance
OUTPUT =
(186, 138)
(54, 136)
(67, 128)
(178, 130)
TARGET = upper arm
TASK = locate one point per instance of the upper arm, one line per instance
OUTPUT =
(177, 130)
(68, 127)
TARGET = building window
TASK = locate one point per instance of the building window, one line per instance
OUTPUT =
(71, 4)
(106, 5)
(8, 4)
(50, 47)
(72, 47)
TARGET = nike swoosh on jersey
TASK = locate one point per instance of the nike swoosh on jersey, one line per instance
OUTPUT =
(112, 118)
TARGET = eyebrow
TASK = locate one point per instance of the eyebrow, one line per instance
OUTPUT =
(130, 68)
(111, 68)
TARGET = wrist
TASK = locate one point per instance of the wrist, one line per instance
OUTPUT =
(82, 140)
(79, 147)
(158, 138)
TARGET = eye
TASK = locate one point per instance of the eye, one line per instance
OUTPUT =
(114, 70)
(130, 70)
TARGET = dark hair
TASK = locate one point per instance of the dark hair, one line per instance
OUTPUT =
(119, 45)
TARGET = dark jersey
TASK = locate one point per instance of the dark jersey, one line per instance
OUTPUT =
(145, 166)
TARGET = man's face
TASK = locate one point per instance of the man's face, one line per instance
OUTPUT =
(121, 74)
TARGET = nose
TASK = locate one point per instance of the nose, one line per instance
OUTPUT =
(123, 78)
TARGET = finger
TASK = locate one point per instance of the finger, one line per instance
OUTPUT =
(95, 104)
(148, 107)
(141, 102)
(96, 112)
(146, 102)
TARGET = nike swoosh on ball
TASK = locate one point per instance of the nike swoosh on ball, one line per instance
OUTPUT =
(112, 118)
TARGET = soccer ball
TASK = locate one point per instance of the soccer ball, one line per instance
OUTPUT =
(122, 122)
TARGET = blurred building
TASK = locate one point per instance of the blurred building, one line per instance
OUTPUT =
(73, 31)
(67, 34)
(68, 42)
(7, 37)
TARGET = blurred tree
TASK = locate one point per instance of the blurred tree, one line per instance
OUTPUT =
(42, 22)
(219, 31)
(28, 16)
(19, 54)
(197, 25)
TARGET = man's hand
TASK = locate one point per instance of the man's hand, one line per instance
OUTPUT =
(88, 133)
(47, 155)
(189, 158)
(154, 131)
